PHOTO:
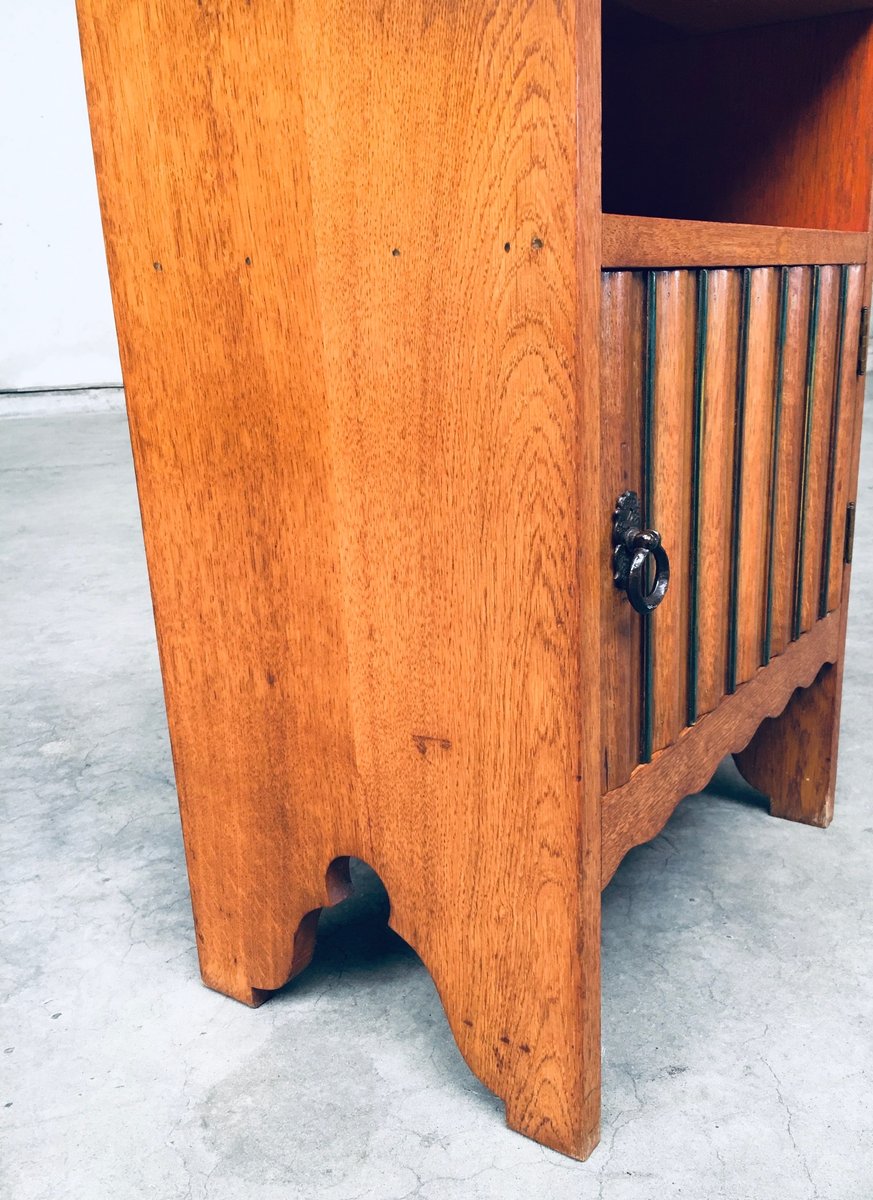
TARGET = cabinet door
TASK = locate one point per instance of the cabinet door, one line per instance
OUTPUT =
(723, 409)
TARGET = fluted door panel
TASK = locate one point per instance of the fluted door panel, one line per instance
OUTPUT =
(723, 409)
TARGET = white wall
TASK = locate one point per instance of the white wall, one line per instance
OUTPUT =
(56, 326)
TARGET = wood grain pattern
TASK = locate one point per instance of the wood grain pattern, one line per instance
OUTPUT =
(793, 756)
(355, 256)
(671, 491)
(845, 428)
(718, 451)
(790, 758)
(758, 428)
(677, 328)
(637, 811)
(823, 389)
(630, 241)
(622, 322)
(349, 251)
(789, 457)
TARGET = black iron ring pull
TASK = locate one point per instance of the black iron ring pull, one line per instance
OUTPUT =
(644, 544)
(633, 547)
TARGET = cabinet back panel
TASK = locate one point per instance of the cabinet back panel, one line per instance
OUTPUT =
(748, 442)
(756, 125)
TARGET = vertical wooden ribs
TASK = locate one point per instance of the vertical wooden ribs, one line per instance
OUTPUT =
(756, 482)
(737, 489)
(789, 455)
(778, 390)
(649, 379)
(824, 586)
(696, 461)
(841, 435)
(716, 483)
(806, 453)
(723, 391)
(671, 495)
(623, 334)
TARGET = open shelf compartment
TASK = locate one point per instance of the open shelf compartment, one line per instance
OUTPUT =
(768, 125)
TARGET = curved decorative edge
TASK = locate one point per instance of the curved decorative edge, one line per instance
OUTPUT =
(638, 810)
(338, 886)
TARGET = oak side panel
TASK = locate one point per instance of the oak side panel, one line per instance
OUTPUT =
(716, 484)
(622, 319)
(471, 379)
(756, 469)
(354, 256)
(790, 455)
(209, 242)
(671, 494)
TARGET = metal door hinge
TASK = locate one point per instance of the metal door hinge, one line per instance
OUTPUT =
(863, 338)
(850, 533)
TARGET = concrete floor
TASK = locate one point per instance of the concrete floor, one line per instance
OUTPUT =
(738, 949)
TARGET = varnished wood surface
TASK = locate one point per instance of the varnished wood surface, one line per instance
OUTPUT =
(850, 406)
(637, 811)
(720, 387)
(822, 399)
(793, 756)
(355, 258)
(789, 456)
(621, 470)
(790, 758)
(757, 434)
(354, 253)
(740, 501)
(671, 492)
(630, 241)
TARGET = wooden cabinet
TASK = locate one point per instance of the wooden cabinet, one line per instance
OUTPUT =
(397, 335)
(723, 403)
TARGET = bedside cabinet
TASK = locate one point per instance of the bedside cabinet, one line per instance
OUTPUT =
(494, 383)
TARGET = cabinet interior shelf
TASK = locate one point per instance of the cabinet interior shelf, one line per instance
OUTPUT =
(649, 242)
